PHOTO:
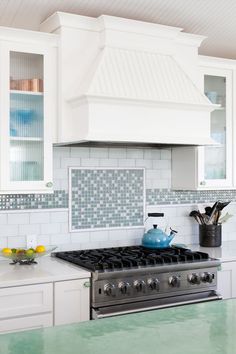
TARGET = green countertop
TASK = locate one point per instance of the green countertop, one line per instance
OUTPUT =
(207, 328)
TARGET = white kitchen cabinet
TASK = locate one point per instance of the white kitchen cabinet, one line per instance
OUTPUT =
(227, 280)
(26, 307)
(27, 111)
(71, 301)
(211, 167)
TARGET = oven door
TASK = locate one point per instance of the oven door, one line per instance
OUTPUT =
(148, 305)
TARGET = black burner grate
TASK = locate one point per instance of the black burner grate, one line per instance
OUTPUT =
(108, 259)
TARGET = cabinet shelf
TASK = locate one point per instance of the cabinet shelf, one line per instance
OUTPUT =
(19, 138)
(33, 93)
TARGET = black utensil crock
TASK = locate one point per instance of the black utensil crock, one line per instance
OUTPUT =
(210, 235)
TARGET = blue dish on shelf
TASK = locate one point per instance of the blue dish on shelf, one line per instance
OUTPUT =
(24, 116)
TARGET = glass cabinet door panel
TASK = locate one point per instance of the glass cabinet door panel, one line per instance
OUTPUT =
(215, 156)
(26, 117)
(26, 161)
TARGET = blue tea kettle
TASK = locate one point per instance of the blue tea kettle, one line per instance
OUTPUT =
(156, 238)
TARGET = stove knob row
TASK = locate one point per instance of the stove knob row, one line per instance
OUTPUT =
(109, 289)
(207, 277)
(153, 284)
(174, 281)
(139, 285)
(194, 278)
(124, 287)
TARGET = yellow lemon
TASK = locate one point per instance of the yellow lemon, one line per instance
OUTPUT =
(6, 251)
(40, 249)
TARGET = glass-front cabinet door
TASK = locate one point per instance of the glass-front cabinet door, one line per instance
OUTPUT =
(26, 155)
(215, 162)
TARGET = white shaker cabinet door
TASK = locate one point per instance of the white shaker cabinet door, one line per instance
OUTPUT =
(227, 280)
(72, 301)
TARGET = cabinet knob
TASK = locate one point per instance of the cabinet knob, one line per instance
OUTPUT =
(49, 184)
(87, 284)
(203, 183)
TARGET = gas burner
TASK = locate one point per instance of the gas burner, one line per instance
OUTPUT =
(119, 258)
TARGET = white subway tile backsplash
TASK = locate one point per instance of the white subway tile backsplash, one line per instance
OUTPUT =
(61, 173)
(18, 218)
(16, 242)
(60, 239)
(90, 162)
(70, 162)
(59, 217)
(3, 219)
(166, 154)
(80, 152)
(161, 164)
(134, 154)
(153, 154)
(59, 152)
(153, 174)
(44, 240)
(3, 242)
(144, 163)
(96, 236)
(40, 218)
(117, 153)
(49, 229)
(81, 237)
(108, 162)
(126, 163)
(9, 230)
(30, 229)
(165, 174)
(99, 153)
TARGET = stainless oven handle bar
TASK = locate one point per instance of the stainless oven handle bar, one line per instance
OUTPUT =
(188, 302)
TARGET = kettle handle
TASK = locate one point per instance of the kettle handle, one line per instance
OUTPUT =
(155, 214)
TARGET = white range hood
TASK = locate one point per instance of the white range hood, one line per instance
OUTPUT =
(125, 81)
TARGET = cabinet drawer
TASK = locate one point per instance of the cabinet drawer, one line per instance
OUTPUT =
(26, 323)
(26, 300)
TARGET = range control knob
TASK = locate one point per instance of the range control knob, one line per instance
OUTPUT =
(153, 284)
(207, 277)
(123, 287)
(194, 278)
(174, 281)
(109, 289)
(139, 285)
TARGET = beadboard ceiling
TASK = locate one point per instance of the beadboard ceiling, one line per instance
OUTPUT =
(212, 18)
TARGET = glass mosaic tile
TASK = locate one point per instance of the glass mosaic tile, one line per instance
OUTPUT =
(106, 198)
(59, 199)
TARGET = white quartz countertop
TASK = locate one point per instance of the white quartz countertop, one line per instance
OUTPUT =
(226, 253)
(48, 269)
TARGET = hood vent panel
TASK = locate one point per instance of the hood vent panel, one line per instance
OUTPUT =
(138, 75)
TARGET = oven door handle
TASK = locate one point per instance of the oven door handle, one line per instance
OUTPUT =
(98, 315)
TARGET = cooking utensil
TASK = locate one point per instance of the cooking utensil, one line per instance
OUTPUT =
(212, 215)
(208, 210)
(197, 216)
(221, 205)
(224, 218)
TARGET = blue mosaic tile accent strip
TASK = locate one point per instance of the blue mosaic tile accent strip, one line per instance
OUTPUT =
(58, 199)
(106, 198)
(168, 196)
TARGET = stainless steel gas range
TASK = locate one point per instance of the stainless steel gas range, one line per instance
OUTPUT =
(134, 279)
